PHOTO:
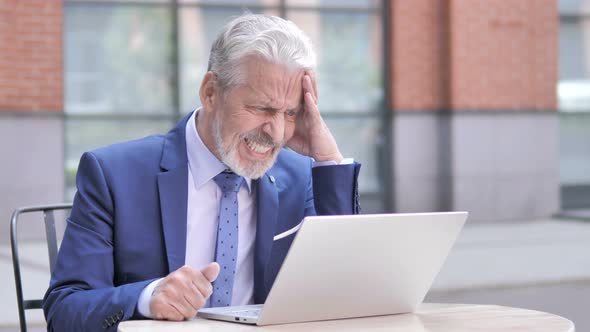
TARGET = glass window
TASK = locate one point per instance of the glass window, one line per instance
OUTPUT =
(335, 3)
(359, 137)
(574, 65)
(574, 102)
(237, 4)
(574, 7)
(118, 59)
(350, 48)
(132, 68)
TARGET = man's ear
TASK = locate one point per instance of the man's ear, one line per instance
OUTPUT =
(209, 91)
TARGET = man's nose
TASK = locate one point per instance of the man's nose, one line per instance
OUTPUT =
(275, 127)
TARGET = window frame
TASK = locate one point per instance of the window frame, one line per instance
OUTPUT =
(383, 198)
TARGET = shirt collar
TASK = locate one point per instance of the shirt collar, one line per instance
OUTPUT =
(203, 164)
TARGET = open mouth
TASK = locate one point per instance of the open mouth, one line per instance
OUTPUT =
(257, 148)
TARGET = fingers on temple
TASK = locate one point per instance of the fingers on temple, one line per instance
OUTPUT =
(309, 85)
(314, 83)
(310, 103)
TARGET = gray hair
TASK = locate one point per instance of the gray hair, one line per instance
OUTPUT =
(274, 39)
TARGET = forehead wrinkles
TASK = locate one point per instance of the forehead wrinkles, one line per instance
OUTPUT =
(276, 84)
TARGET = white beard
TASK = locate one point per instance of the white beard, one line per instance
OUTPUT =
(252, 169)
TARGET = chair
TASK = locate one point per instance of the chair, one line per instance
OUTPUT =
(51, 235)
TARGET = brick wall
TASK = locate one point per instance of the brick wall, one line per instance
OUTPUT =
(31, 70)
(418, 54)
(474, 54)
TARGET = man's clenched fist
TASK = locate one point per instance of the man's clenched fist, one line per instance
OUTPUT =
(183, 292)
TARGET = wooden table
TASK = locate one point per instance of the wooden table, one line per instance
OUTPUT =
(428, 318)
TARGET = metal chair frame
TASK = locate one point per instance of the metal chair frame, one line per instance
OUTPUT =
(51, 235)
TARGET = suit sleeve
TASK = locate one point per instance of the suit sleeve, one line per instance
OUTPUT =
(82, 295)
(334, 190)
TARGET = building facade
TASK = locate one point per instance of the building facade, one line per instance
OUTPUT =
(449, 105)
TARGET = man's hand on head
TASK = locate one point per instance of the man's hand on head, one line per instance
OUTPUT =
(312, 136)
(183, 292)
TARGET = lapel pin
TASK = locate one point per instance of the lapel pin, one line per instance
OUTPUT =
(272, 178)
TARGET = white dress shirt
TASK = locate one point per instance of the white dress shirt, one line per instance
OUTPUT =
(201, 231)
(204, 197)
(202, 208)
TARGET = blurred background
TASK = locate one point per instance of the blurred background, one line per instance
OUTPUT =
(477, 105)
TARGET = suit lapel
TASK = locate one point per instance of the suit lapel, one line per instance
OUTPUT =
(173, 191)
(268, 204)
(173, 199)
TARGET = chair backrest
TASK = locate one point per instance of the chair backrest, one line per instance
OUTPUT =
(52, 247)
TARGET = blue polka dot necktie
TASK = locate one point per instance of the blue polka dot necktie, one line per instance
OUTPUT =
(226, 251)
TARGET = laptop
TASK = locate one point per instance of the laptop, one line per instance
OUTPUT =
(353, 266)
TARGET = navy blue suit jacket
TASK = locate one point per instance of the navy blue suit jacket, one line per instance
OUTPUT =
(128, 225)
